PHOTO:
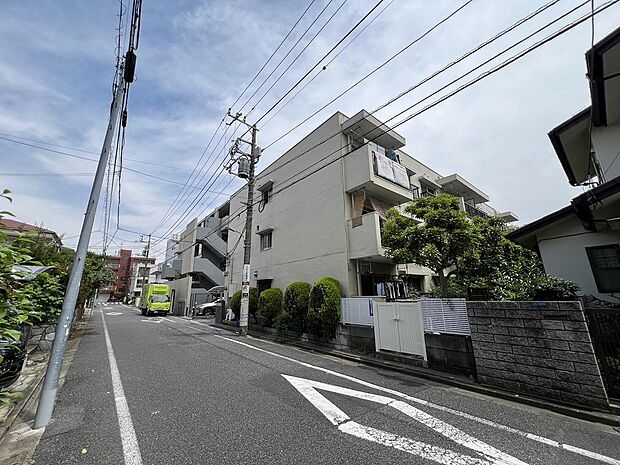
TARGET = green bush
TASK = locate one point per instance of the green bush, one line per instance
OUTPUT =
(270, 303)
(553, 288)
(324, 307)
(296, 300)
(46, 295)
(283, 322)
(235, 302)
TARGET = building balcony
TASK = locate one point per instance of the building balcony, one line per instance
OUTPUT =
(211, 239)
(209, 270)
(365, 240)
(473, 211)
(456, 185)
(361, 172)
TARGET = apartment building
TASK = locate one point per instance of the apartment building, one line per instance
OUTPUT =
(122, 265)
(202, 249)
(581, 242)
(327, 222)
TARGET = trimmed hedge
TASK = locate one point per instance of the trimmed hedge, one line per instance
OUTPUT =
(235, 302)
(296, 301)
(324, 307)
(270, 303)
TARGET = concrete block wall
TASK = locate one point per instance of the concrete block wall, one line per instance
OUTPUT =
(541, 349)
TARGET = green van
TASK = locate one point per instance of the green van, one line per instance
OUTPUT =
(155, 299)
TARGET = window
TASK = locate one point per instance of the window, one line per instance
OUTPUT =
(197, 250)
(605, 264)
(266, 240)
(267, 195)
(427, 191)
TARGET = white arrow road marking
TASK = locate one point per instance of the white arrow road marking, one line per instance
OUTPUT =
(337, 417)
(484, 421)
(154, 320)
(113, 313)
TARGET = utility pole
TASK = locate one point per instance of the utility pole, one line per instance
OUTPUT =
(247, 165)
(54, 365)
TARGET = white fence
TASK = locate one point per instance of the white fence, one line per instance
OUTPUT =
(447, 316)
(357, 311)
(399, 327)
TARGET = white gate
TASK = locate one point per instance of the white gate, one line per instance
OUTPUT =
(399, 327)
(447, 316)
(357, 311)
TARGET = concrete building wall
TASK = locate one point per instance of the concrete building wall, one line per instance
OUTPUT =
(563, 250)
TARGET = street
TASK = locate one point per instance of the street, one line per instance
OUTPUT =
(171, 390)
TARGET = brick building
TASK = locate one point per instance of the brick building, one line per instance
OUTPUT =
(122, 264)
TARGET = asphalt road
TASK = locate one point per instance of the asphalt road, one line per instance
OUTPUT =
(175, 391)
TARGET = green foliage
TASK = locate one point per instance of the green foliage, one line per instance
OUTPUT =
(439, 242)
(45, 295)
(270, 303)
(324, 307)
(235, 302)
(296, 301)
(283, 322)
(552, 288)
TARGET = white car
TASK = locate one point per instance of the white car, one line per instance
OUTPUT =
(208, 308)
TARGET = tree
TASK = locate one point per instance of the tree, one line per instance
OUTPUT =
(437, 235)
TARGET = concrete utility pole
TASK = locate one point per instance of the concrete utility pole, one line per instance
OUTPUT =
(126, 74)
(50, 385)
(246, 172)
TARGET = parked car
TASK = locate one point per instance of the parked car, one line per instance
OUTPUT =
(14, 354)
(208, 308)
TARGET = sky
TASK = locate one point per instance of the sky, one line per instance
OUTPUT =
(57, 63)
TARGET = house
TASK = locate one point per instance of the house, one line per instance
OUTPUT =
(581, 242)
(201, 252)
(328, 223)
(16, 228)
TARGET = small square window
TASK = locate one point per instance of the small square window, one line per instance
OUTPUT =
(605, 264)
(266, 241)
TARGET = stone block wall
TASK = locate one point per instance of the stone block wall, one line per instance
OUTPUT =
(541, 349)
(42, 337)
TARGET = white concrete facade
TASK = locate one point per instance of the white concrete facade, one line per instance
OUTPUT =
(315, 225)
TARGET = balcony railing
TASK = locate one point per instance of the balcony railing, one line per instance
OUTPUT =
(473, 211)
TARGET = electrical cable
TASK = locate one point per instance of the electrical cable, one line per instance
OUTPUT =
(385, 63)
(319, 62)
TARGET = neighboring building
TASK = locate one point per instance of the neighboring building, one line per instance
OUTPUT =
(172, 247)
(123, 265)
(328, 223)
(140, 277)
(202, 249)
(17, 228)
(581, 242)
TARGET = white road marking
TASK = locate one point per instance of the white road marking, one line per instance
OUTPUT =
(308, 389)
(113, 313)
(131, 450)
(153, 320)
(484, 421)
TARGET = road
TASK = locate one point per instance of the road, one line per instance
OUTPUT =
(175, 391)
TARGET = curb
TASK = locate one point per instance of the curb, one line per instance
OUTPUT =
(609, 419)
(19, 406)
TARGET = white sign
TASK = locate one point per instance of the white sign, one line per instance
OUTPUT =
(487, 455)
(245, 290)
(246, 274)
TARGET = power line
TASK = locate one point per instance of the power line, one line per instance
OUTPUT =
(38, 141)
(385, 63)
(488, 73)
(273, 54)
(319, 62)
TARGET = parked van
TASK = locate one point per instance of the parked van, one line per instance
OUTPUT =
(155, 299)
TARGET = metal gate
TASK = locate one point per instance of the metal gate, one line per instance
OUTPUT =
(399, 327)
(604, 326)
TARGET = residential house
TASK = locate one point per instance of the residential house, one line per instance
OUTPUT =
(329, 223)
(581, 242)
(16, 228)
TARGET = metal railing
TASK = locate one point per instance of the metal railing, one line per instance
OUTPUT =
(473, 211)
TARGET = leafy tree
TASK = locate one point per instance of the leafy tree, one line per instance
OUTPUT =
(296, 300)
(270, 303)
(437, 235)
(45, 296)
(324, 307)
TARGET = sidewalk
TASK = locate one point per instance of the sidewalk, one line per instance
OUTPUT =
(461, 382)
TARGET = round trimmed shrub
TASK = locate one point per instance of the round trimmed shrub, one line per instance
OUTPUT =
(296, 300)
(324, 307)
(235, 302)
(270, 303)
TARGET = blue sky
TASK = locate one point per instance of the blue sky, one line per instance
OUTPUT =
(195, 58)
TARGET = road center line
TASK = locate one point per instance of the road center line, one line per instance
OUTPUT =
(131, 450)
(484, 421)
